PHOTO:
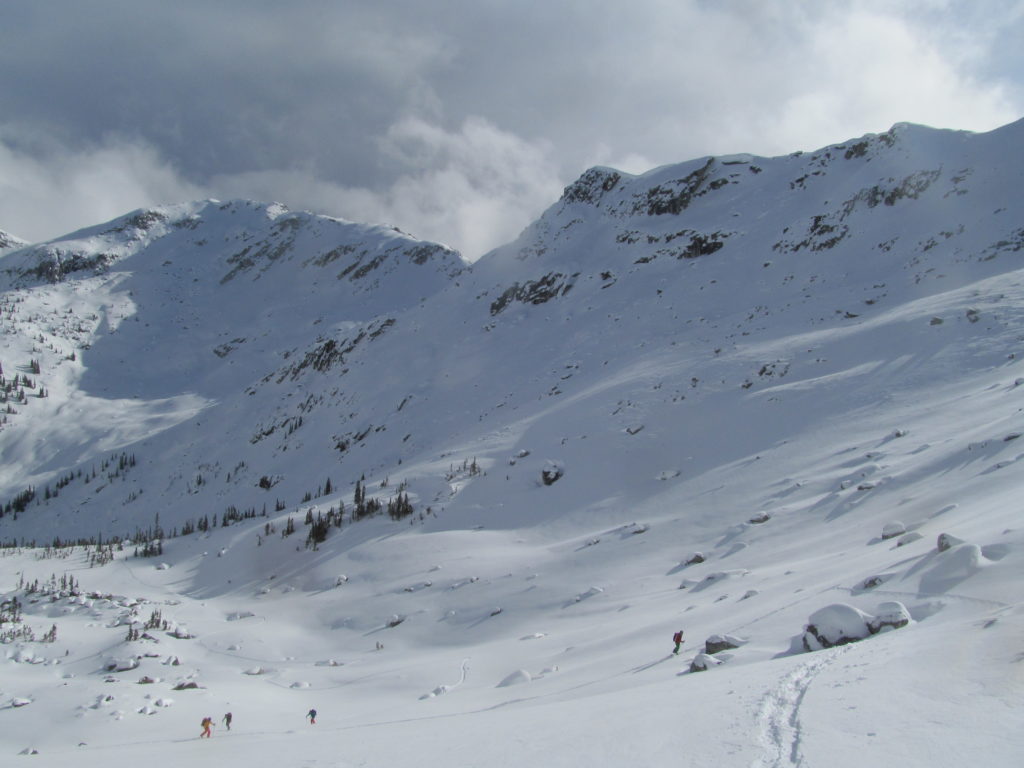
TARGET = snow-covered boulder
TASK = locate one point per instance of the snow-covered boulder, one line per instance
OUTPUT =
(718, 643)
(439, 691)
(888, 616)
(836, 624)
(893, 529)
(24, 656)
(839, 624)
(693, 558)
(703, 661)
(946, 541)
(552, 472)
(872, 581)
(121, 664)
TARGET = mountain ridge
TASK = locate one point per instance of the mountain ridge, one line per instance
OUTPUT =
(693, 261)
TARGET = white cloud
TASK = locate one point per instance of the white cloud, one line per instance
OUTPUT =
(478, 183)
(473, 188)
(51, 190)
(870, 70)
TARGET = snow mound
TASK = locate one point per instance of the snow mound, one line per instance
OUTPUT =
(516, 678)
(951, 567)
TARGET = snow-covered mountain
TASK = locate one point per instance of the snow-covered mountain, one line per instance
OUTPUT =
(740, 395)
(9, 242)
(188, 323)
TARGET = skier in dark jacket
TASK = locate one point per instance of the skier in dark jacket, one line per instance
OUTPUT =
(312, 716)
(227, 720)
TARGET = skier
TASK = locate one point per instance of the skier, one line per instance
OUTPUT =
(227, 720)
(207, 724)
(677, 638)
(312, 716)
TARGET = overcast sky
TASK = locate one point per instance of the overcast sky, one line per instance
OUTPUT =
(458, 120)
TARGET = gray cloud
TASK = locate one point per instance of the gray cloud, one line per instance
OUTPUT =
(458, 121)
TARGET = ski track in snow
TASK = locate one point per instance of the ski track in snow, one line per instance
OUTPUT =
(781, 733)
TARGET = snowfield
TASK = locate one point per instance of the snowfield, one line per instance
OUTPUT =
(773, 402)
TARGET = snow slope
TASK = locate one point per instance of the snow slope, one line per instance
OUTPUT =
(778, 398)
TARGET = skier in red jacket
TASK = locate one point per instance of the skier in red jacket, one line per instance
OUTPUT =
(677, 638)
